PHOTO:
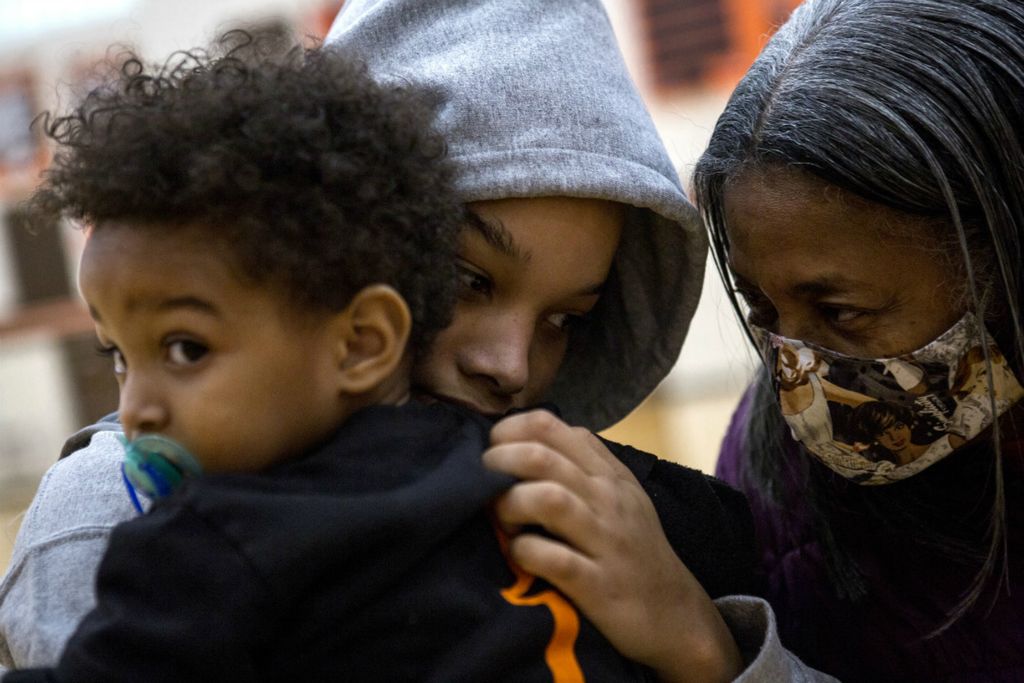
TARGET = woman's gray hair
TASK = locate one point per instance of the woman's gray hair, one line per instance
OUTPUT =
(913, 104)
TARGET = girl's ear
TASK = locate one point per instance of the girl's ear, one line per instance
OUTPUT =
(373, 332)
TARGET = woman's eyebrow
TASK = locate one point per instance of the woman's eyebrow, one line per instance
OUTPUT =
(497, 235)
(824, 285)
(828, 284)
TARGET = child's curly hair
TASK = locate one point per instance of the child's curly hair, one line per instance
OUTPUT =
(316, 177)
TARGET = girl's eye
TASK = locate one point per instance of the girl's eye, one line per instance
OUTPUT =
(565, 321)
(185, 352)
(114, 353)
(473, 283)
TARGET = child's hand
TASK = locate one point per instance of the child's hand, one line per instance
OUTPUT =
(610, 557)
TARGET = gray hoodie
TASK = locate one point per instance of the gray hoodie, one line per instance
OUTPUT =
(528, 112)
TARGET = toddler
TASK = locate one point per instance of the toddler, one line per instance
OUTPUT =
(271, 246)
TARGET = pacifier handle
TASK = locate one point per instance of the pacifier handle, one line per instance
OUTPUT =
(155, 466)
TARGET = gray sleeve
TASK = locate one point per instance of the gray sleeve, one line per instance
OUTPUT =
(752, 623)
(49, 584)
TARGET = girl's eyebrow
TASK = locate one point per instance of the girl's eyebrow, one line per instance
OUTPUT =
(497, 235)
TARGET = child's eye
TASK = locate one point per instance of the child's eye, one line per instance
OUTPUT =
(114, 353)
(185, 352)
(473, 283)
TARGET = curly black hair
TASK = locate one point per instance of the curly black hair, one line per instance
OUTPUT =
(312, 173)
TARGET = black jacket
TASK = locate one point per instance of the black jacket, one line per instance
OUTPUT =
(372, 559)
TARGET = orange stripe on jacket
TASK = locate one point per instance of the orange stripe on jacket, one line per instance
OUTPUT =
(560, 653)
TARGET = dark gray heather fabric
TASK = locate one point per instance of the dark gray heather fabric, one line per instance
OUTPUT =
(535, 100)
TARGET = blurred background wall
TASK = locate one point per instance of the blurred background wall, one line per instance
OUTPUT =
(685, 56)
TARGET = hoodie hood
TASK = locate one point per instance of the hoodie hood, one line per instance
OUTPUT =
(535, 100)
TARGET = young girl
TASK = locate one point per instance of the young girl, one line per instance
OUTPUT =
(543, 126)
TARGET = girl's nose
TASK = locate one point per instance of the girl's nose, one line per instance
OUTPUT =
(501, 357)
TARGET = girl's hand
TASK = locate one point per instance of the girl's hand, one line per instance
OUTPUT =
(609, 554)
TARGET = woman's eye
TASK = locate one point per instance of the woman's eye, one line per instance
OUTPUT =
(759, 310)
(472, 282)
(185, 352)
(565, 321)
(761, 317)
(841, 315)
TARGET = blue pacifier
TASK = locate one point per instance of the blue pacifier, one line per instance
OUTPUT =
(154, 466)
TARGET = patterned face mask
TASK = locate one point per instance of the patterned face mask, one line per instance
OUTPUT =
(879, 421)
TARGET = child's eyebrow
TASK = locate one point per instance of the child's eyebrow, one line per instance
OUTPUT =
(189, 302)
(497, 235)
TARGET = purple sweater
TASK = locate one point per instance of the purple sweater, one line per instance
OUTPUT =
(910, 588)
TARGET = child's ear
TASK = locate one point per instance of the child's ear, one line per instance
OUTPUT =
(374, 329)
